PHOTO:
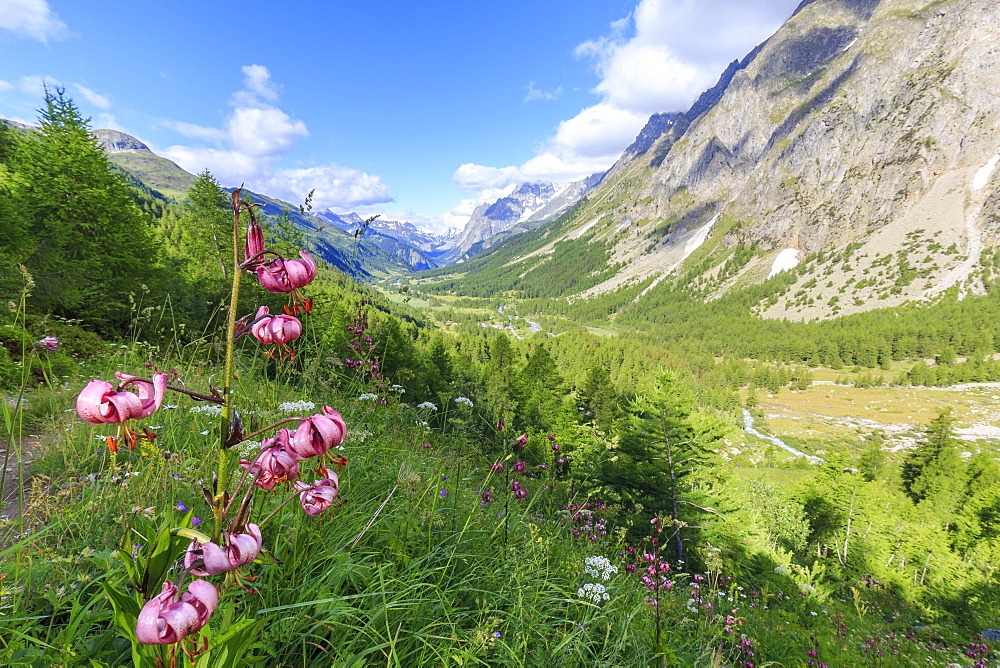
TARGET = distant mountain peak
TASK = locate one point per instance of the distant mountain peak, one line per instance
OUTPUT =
(529, 205)
(115, 141)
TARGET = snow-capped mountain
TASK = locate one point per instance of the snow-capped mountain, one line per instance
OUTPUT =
(419, 249)
(527, 207)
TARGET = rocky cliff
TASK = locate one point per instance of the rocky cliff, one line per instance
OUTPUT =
(861, 137)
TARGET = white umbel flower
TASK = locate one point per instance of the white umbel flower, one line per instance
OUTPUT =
(296, 406)
(599, 567)
(594, 591)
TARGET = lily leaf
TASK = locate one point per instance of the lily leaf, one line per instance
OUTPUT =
(266, 558)
(192, 534)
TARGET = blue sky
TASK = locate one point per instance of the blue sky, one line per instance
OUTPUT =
(418, 111)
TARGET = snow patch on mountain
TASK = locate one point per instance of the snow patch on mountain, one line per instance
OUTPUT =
(583, 230)
(699, 237)
(983, 175)
(787, 259)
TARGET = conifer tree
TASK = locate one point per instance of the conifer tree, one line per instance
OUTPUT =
(15, 242)
(92, 245)
(204, 228)
(441, 370)
(599, 399)
(664, 448)
(497, 381)
(934, 472)
(539, 389)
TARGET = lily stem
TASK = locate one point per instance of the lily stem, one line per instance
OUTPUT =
(227, 408)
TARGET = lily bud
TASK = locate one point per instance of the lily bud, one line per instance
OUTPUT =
(255, 241)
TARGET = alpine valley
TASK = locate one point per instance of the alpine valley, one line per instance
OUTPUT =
(857, 146)
(734, 401)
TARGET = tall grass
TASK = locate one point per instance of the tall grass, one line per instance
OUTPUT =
(401, 574)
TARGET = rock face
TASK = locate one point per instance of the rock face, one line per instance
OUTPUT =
(859, 129)
(119, 142)
(530, 205)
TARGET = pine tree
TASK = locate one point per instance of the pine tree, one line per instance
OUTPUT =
(539, 390)
(92, 244)
(599, 399)
(441, 369)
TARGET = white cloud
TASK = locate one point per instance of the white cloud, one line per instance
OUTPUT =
(229, 167)
(472, 177)
(336, 187)
(105, 121)
(33, 84)
(596, 132)
(5, 86)
(33, 19)
(658, 59)
(214, 135)
(253, 138)
(263, 132)
(96, 99)
(537, 94)
(258, 82)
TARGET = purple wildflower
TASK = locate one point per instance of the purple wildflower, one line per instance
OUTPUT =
(49, 343)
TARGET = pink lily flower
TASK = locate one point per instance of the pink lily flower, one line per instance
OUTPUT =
(101, 403)
(318, 433)
(275, 329)
(277, 461)
(203, 559)
(320, 495)
(167, 617)
(282, 276)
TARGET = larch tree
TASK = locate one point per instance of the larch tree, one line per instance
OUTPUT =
(934, 471)
(205, 228)
(665, 447)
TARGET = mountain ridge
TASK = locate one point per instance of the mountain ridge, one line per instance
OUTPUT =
(848, 141)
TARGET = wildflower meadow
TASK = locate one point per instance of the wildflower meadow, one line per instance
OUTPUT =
(244, 511)
(293, 469)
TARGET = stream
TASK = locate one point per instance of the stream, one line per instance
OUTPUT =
(749, 428)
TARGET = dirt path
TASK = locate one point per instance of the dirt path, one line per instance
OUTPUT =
(9, 494)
